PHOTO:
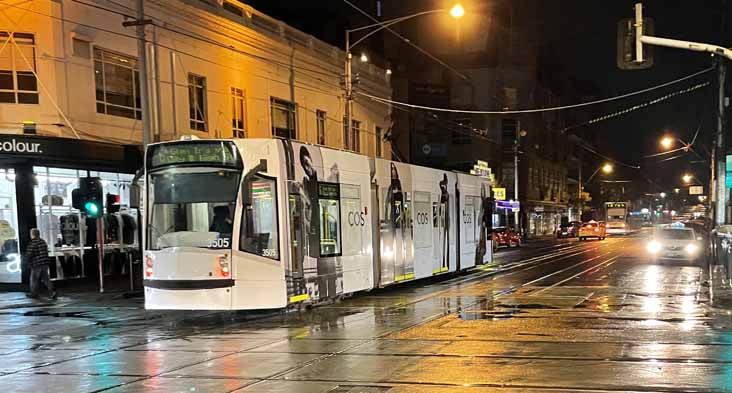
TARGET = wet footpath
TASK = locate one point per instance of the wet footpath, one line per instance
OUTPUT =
(551, 316)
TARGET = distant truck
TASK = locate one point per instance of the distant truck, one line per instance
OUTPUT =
(616, 217)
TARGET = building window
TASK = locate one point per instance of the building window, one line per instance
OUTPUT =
(461, 132)
(346, 138)
(18, 84)
(238, 114)
(378, 142)
(233, 8)
(356, 136)
(283, 118)
(321, 118)
(197, 102)
(117, 81)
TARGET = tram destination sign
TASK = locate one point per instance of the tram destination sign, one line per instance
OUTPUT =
(220, 153)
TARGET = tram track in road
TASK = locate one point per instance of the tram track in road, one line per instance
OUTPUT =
(448, 311)
(524, 265)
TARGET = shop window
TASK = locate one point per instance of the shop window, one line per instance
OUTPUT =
(321, 118)
(283, 118)
(9, 252)
(18, 84)
(117, 81)
(259, 231)
(197, 102)
(330, 219)
(238, 113)
(65, 230)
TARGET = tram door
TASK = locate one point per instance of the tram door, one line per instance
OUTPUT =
(296, 284)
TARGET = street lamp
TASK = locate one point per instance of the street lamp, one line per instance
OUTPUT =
(457, 11)
(667, 142)
(607, 168)
(687, 178)
(662, 195)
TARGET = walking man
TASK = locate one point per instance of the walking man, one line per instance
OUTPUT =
(38, 260)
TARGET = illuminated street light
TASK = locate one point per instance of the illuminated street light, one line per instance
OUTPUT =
(677, 190)
(364, 58)
(667, 142)
(687, 178)
(457, 11)
(662, 195)
(607, 168)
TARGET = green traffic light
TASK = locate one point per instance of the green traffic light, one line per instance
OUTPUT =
(91, 208)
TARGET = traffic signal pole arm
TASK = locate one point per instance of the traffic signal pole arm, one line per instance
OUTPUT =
(688, 45)
(641, 39)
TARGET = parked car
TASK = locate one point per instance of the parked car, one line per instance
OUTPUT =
(593, 229)
(569, 229)
(506, 237)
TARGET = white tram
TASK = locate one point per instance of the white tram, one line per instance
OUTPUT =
(264, 223)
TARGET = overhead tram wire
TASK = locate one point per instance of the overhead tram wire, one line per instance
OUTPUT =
(540, 110)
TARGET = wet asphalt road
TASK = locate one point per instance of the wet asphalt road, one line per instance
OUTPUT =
(552, 316)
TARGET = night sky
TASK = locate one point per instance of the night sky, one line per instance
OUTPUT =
(583, 35)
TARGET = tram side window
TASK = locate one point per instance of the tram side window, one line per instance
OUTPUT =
(259, 232)
(329, 202)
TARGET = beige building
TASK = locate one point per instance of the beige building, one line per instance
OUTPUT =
(217, 69)
(70, 107)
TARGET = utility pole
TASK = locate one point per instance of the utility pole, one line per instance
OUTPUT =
(142, 54)
(579, 189)
(720, 153)
(349, 90)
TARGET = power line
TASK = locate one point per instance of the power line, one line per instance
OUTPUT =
(635, 107)
(540, 110)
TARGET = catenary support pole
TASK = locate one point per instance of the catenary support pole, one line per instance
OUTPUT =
(144, 88)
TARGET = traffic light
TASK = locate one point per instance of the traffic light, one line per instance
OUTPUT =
(88, 197)
(628, 43)
(113, 201)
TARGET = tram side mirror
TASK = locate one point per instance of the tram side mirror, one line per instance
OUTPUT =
(135, 193)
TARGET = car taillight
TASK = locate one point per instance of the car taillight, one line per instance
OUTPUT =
(224, 266)
(148, 266)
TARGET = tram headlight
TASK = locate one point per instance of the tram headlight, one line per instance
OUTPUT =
(148, 266)
(691, 248)
(653, 247)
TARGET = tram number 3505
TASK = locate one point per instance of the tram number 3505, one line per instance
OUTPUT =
(219, 243)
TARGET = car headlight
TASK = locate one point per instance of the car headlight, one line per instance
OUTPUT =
(691, 248)
(653, 247)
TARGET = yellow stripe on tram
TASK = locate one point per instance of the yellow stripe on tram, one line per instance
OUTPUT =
(404, 277)
(299, 298)
(440, 270)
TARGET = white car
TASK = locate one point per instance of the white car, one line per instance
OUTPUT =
(675, 242)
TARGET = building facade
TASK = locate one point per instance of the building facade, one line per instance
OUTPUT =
(71, 105)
